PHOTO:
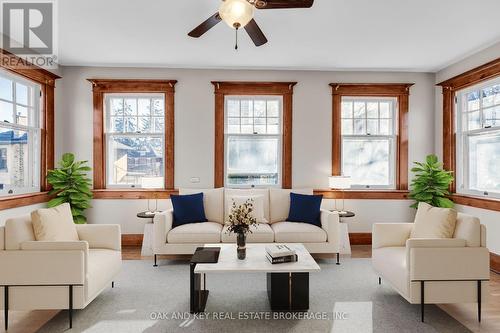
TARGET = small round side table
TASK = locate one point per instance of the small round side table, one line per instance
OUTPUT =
(345, 243)
(147, 239)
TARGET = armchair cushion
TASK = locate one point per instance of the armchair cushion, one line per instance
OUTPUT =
(261, 233)
(434, 222)
(390, 234)
(188, 209)
(305, 208)
(204, 232)
(469, 228)
(54, 224)
(213, 202)
(18, 230)
(101, 236)
(298, 232)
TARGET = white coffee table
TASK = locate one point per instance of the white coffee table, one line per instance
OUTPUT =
(287, 283)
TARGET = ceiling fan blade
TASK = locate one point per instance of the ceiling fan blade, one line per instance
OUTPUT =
(281, 4)
(205, 26)
(255, 33)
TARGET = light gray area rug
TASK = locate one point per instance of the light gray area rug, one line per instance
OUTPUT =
(345, 298)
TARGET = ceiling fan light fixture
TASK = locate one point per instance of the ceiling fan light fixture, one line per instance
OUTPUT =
(236, 13)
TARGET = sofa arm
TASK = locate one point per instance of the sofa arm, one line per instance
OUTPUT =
(390, 234)
(435, 242)
(448, 263)
(162, 225)
(41, 267)
(330, 222)
(55, 246)
(101, 236)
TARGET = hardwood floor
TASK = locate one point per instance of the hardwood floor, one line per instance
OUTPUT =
(31, 321)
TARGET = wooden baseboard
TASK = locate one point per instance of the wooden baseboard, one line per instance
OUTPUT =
(495, 262)
(132, 239)
(360, 238)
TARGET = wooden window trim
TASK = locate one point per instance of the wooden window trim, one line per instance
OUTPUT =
(100, 87)
(401, 91)
(47, 82)
(284, 89)
(450, 87)
(373, 194)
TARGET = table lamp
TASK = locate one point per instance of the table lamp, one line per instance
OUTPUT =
(152, 183)
(340, 183)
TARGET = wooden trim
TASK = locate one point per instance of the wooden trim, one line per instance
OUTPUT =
(495, 262)
(399, 90)
(352, 194)
(474, 76)
(478, 202)
(360, 238)
(284, 89)
(24, 200)
(449, 89)
(100, 87)
(133, 194)
(47, 81)
(134, 240)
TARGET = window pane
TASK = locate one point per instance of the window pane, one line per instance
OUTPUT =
(233, 108)
(252, 161)
(246, 108)
(347, 109)
(144, 105)
(484, 159)
(130, 108)
(385, 127)
(130, 124)
(273, 108)
(359, 110)
(247, 129)
(367, 161)
(259, 108)
(347, 126)
(491, 96)
(492, 116)
(233, 129)
(474, 120)
(385, 110)
(15, 163)
(372, 126)
(144, 124)
(372, 109)
(159, 124)
(5, 89)
(233, 121)
(22, 115)
(359, 126)
(116, 106)
(21, 94)
(6, 112)
(472, 100)
(117, 124)
(132, 158)
(246, 121)
(159, 107)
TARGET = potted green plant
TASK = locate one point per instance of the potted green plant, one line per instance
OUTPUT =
(71, 184)
(431, 183)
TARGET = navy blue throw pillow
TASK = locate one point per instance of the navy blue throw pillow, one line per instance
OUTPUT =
(188, 209)
(305, 208)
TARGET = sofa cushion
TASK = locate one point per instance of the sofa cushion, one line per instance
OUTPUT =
(103, 265)
(204, 232)
(264, 192)
(305, 208)
(279, 202)
(188, 209)
(213, 201)
(390, 262)
(297, 232)
(434, 222)
(257, 202)
(468, 227)
(54, 224)
(18, 230)
(261, 233)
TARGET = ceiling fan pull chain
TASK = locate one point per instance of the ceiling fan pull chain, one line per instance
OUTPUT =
(236, 46)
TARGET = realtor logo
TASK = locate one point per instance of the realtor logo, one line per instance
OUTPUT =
(28, 27)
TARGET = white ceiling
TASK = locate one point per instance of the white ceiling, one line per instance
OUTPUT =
(418, 35)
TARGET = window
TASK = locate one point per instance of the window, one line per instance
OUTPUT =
(20, 132)
(478, 139)
(135, 139)
(368, 141)
(370, 137)
(253, 134)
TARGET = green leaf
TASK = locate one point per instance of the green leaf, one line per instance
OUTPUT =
(56, 202)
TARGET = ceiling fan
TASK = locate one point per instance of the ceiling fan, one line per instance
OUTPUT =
(239, 14)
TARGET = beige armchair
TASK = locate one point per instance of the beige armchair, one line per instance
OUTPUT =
(55, 275)
(434, 271)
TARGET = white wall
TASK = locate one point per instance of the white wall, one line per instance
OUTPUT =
(18, 211)
(489, 218)
(194, 130)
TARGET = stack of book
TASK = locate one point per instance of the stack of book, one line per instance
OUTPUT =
(280, 253)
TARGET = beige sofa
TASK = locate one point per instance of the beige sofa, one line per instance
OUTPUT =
(38, 275)
(434, 271)
(185, 239)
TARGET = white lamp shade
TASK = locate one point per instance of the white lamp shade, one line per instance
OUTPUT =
(236, 13)
(339, 182)
(152, 182)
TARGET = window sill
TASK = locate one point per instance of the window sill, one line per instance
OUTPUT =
(133, 194)
(24, 200)
(478, 202)
(365, 194)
